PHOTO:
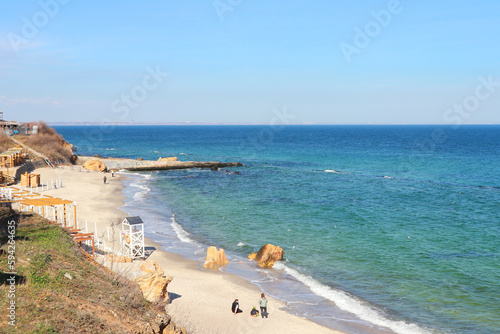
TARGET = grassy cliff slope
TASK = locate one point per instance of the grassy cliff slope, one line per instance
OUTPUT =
(59, 290)
(47, 142)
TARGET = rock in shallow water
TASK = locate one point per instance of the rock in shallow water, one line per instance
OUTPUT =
(215, 258)
(267, 255)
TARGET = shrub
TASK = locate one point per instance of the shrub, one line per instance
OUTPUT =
(49, 143)
(5, 142)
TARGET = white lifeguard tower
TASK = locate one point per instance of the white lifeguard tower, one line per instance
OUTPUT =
(132, 237)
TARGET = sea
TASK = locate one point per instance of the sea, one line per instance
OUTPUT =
(385, 228)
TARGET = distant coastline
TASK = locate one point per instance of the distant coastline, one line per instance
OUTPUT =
(252, 124)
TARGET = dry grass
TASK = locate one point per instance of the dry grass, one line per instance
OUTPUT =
(49, 143)
(91, 301)
(5, 142)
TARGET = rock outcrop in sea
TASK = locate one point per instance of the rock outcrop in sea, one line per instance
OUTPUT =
(267, 255)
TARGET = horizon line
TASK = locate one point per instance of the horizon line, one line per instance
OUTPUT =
(248, 124)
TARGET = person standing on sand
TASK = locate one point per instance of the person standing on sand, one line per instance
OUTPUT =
(263, 306)
(104, 179)
(235, 308)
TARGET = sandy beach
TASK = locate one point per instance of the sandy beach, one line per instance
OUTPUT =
(200, 298)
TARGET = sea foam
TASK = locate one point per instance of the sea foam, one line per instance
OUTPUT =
(140, 194)
(331, 171)
(182, 234)
(351, 304)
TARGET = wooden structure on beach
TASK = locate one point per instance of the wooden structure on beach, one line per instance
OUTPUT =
(13, 156)
(6, 178)
(132, 237)
(57, 210)
(30, 180)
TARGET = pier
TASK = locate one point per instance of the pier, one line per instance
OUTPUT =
(117, 164)
(184, 165)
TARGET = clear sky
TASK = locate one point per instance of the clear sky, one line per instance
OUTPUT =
(322, 61)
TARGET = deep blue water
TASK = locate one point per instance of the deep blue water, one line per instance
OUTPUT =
(383, 226)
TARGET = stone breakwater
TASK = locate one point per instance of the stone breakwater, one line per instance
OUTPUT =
(99, 163)
(184, 165)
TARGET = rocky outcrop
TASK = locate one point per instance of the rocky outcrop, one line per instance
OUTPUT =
(162, 324)
(267, 255)
(154, 286)
(94, 164)
(168, 159)
(215, 258)
(68, 146)
(150, 266)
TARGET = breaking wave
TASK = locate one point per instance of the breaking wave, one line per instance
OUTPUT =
(351, 304)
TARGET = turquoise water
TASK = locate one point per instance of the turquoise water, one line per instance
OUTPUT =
(385, 228)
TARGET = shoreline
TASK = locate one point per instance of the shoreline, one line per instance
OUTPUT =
(200, 298)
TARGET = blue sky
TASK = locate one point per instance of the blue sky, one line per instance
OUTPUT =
(336, 62)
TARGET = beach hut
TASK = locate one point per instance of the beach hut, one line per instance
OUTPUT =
(30, 180)
(132, 237)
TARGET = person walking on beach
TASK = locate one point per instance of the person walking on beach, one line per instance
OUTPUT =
(235, 308)
(263, 306)
(104, 179)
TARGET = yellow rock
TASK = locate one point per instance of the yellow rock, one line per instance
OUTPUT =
(67, 145)
(168, 159)
(267, 255)
(154, 286)
(94, 164)
(215, 258)
(151, 266)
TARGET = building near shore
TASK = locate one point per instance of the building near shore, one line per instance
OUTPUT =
(15, 128)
